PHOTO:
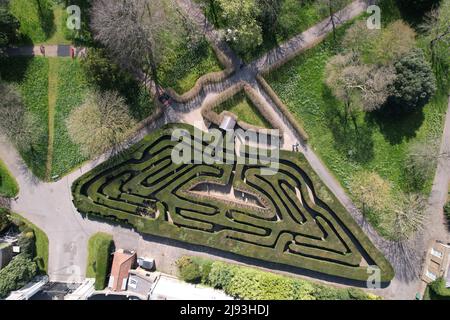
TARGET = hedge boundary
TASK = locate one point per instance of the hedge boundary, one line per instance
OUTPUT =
(209, 114)
(206, 79)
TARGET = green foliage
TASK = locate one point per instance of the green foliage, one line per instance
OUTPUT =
(35, 17)
(380, 142)
(438, 291)
(101, 72)
(244, 109)
(16, 274)
(40, 248)
(30, 75)
(8, 185)
(194, 270)
(415, 83)
(248, 283)
(5, 222)
(114, 191)
(9, 26)
(72, 88)
(100, 247)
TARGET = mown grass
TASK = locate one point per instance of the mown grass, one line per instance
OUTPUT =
(30, 75)
(379, 142)
(100, 246)
(8, 185)
(71, 91)
(36, 19)
(241, 106)
(41, 243)
(182, 69)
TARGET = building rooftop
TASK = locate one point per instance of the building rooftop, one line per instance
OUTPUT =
(122, 263)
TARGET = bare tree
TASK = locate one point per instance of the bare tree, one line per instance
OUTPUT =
(102, 123)
(437, 26)
(357, 84)
(408, 217)
(20, 126)
(132, 31)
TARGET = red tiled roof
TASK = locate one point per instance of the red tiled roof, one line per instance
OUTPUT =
(122, 263)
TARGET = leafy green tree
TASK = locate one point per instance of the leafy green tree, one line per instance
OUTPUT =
(16, 274)
(9, 27)
(415, 83)
(243, 28)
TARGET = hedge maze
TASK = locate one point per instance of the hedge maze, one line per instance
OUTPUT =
(289, 218)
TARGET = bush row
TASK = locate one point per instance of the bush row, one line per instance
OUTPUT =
(209, 114)
(249, 283)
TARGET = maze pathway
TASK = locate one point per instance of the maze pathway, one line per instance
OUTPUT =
(288, 217)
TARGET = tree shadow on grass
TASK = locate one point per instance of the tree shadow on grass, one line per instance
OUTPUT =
(46, 17)
(352, 140)
(396, 126)
(14, 69)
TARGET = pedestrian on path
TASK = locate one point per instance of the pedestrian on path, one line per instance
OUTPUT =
(42, 49)
(72, 52)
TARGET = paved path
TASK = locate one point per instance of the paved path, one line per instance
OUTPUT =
(49, 205)
(50, 51)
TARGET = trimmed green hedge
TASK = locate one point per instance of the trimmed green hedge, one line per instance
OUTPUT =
(249, 283)
(313, 232)
(100, 247)
(437, 290)
(8, 184)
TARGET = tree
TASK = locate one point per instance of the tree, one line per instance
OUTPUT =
(241, 18)
(9, 27)
(437, 27)
(16, 274)
(20, 126)
(415, 83)
(100, 124)
(417, 6)
(371, 193)
(421, 161)
(269, 14)
(131, 30)
(408, 217)
(331, 9)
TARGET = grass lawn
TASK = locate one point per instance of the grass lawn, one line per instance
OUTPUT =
(31, 77)
(36, 19)
(181, 70)
(241, 106)
(99, 254)
(378, 144)
(8, 185)
(41, 243)
(70, 93)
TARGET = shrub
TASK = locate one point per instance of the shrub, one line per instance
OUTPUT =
(189, 272)
(415, 83)
(248, 283)
(438, 291)
(16, 274)
(100, 246)
(4, 220)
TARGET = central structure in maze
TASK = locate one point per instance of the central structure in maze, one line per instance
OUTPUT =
(288, 218)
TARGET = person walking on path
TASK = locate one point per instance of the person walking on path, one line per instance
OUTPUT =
(42, 49)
